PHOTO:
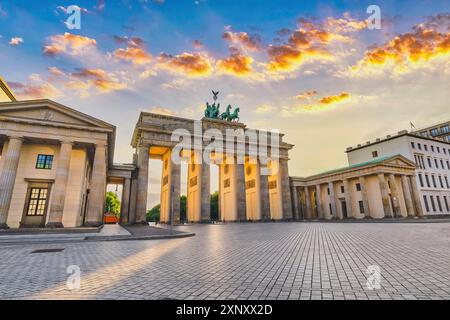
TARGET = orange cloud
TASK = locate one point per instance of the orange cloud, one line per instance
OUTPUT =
(287, 58)
(97, 78)
(68, 43)
(192, 65)
(406, 51)
(137, 56)
(35, 88)
(16, 41)
(236, 64)
(251, 42)
(334, 99)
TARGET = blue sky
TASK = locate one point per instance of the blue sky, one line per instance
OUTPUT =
(309, 68)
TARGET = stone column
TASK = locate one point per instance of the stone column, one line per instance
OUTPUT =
(348, 199)
(133, 199)
(205, 213)
(265, 200)
(175, 192)
(332, 199)
(97, 188)
(395, 194)
(240, 192)
(408, 196)
(365, 198)
(142, 185)
(320, 214)
(308, 204)
(59, 188)
(8, 177)
(385, 196)
(416, 196)
(285, 190)
(295, 203)
(125, 204)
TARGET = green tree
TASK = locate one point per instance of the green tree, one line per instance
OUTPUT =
(153, 214)
(183, 200)
(112, 203)
(214, 203)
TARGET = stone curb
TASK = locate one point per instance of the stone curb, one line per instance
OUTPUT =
(127, 238)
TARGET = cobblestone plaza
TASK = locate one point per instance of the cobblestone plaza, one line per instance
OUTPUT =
(242, 261)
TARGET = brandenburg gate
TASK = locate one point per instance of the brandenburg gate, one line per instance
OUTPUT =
(253, 168)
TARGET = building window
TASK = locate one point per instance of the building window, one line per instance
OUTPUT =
(374, 154)
(446, 182)
(440, 182)
(428, 181)
(432, 148)
(425, 147)
(425, 201)
(445, 129)
(358, 187)
(328, 191)
(432, 203)
(433, 178)
(413, 145)
(419, 146)
(342, 189)
(446, 203)
(434, 132)
(37, 202)
(361, 207)
(438, 149)
(448, 165)
(438, 199)
(420, 180)
(44, 161)
(436, 164)
(429, 163)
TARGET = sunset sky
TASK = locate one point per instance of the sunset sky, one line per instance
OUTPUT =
(311, 69)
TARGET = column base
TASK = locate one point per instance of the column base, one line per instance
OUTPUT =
(4, 226)
(54, 225)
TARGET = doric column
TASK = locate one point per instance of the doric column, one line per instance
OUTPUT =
(332, 199)
(348, 199)
(175, 191)
(59, 189)
(385, 196)
(365, 198)
(285, 190)
(265, 200)
(295, 203)
(241, 204)
(395, 195)
(416, 196)
(205, 192)
(8, 177)
(408, 196)
(142, 185)
(97, 188)
(133, 199)
(125, 203)
(308, 204)
(319, 202)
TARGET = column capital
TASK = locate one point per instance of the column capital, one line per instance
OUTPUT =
(15, 137)
(66, 141)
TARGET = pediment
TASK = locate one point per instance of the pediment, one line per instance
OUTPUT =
(51, 113)
(399, 161)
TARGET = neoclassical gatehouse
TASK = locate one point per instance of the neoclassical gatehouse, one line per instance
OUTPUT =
(55, 164)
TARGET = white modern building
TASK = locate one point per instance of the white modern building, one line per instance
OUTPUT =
(432, 157)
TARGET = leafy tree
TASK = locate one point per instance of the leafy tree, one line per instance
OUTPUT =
(214, 203)
(112, 203)
(183, 201)
(153, 214)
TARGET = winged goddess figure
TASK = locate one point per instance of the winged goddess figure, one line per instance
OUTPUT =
(215, 94)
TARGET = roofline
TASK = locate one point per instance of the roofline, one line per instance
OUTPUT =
(358, 166)
(7, 89)
(351, 149)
